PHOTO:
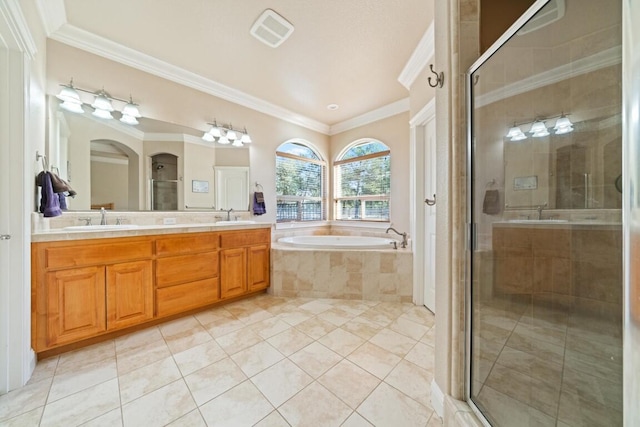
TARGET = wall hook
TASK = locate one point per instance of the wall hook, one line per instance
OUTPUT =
(439, 78)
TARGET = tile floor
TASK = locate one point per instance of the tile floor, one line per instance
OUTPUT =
(545, 365)
(265, 361)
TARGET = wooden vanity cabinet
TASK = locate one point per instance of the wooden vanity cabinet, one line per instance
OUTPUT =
(187, 272)
(82, 289)
(244, 262)
(89, 287)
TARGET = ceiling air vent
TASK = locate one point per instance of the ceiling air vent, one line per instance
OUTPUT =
(553, 11)
(271, 28)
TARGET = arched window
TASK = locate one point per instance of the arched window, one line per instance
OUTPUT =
(300, 178)
(362, 182)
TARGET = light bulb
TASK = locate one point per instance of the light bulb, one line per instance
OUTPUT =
(223, 140)
(208, 137)
(102, 102)
(130, 120)
(72, 106)
(231, 135)
(237, 143)
(103, 114)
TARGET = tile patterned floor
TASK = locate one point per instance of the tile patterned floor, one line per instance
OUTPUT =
(545, 365)
(266, 361)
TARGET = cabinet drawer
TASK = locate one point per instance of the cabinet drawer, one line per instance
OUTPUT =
(245, 238)
(179, 298)
(184, 244)
(186, 268)
(103, 253)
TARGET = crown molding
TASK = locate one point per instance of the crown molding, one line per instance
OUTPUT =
(81, 39)
(14, 31)
(53, 14)
(419, 58)
(425, 113)
(605, 58)
(372, 116)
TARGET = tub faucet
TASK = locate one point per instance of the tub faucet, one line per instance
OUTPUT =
(103, 219)
(404, 236)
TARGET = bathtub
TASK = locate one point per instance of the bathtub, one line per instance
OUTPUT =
(337, 242)
(346, 267)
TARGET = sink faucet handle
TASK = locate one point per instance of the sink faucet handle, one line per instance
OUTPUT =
(87, 220)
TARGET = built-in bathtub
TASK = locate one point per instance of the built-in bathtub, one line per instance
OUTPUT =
(341, 266)
(338, 242)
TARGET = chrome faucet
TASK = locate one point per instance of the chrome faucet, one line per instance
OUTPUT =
(228, 213)
(103, 219)
(404, 236)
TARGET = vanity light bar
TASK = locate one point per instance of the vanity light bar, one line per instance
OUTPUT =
(102, 106)
(227, 134)
(539, 128)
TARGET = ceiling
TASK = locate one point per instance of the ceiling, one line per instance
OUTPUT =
(345, 52)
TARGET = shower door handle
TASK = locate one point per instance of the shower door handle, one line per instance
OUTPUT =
(430, 202)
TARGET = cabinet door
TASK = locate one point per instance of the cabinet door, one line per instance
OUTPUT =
(75, 304)
(258, 267)
(233, 272)
(129, 294)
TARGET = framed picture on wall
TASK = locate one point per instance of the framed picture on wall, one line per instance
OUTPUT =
(199, 186)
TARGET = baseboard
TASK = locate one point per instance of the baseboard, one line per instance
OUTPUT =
(437, 399)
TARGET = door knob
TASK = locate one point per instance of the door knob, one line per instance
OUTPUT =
(431, 202)
(5, 236)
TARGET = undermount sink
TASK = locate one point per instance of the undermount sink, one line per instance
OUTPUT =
(236, 222)
(106, 227)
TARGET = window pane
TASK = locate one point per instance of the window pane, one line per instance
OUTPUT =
(370, 177)
(298, 178)
(299, 184)
(298, 150)
(364, 149)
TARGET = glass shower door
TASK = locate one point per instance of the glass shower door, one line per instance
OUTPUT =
(545, 289)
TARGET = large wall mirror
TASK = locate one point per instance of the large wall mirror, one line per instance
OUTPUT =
(154, 165)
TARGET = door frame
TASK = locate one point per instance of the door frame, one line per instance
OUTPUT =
(417, 208)
(17, 49)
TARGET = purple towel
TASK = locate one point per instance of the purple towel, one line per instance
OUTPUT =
(49, 202)
(62, 198)
(258, 204)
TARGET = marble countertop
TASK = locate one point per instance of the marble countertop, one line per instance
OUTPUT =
(57, 234)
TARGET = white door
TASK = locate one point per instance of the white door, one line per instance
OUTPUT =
(429, 261)
(4, 227)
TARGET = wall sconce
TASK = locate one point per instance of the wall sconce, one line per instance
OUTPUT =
(102, 104)
(226, 135)
(539, 128)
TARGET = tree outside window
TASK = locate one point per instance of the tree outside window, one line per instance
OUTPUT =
(362, 182)
(300, 175)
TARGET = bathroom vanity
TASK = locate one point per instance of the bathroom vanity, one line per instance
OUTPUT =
(86, 286)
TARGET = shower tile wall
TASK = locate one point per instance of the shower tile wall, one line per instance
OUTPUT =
(548, 328)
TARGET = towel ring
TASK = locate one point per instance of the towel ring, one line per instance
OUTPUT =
(259, 186)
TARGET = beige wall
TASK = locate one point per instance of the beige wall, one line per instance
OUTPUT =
(108, 180)
(394, 132)
(421, 93)
(200, 159)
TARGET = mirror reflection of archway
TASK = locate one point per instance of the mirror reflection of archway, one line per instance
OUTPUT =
(164, 182)
(115, 172)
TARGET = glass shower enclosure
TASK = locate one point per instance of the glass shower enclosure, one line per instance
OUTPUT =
(544, 296)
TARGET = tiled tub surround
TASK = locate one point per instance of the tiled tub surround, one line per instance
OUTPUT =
(265, 361)
(366, 274)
